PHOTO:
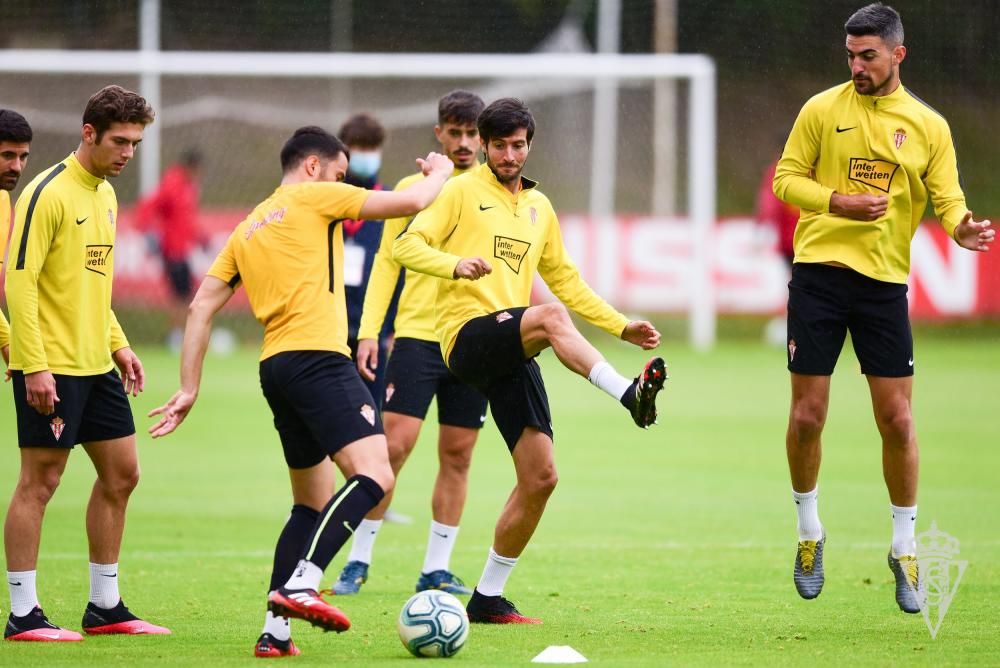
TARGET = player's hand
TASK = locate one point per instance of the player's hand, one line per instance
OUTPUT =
(367, 358)
(472, 268)
(40, 387)
(436, 162)
(859, 206)
(641, 333)
(173, 412)
(974, 235)
(133, 376)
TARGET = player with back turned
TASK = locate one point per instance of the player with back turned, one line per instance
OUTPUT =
(490, 335)
(288, 255)
(861, 162)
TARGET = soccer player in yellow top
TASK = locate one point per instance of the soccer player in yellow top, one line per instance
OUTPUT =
(288, 254)
(416, 373)
(861, 161)
(490, 335)
(15, 144)
(65, 343)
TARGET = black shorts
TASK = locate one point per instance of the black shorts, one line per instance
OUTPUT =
(416, 372)
(319, 404)
(825, 302)
(90, 408)
(488, 355)
(178, 277)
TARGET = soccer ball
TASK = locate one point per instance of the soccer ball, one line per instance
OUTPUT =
(433, 623)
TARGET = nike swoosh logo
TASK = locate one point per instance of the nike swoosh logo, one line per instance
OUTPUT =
(50, 636)
(348, 527)
(486, 208)
(443, 535)
(81, 221)
(105, 575)
(840, 129)
(16, 584)
(910, 362)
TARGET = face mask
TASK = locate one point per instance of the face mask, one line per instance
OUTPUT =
(365, 164)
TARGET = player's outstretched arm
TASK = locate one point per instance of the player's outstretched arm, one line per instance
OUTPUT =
(641, 333)
(975, 235)
(212, 295)
(398, 203)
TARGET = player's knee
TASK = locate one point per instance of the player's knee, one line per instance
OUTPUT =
(455, 455)
(555, 317)
(807, 420)
(121, 484)
(897, 425)
(543, 482)
(40, 488)
(384, 477)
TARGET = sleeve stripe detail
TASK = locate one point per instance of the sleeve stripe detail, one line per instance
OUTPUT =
(234, 281)
(23, 249)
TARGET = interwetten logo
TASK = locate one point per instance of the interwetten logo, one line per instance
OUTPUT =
(872, 172)
(511, 251)
(98, 259)
(940, 574)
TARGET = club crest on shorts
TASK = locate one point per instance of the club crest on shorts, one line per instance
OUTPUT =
(390, 390)
(368, 413)
(791, 350)
(503, 317)
(899, 136)
(57, 425)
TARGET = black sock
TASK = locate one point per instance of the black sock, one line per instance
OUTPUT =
(340, 517)
(291, 543)
(628, 399)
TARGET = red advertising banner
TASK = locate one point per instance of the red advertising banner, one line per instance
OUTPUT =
(644, 265)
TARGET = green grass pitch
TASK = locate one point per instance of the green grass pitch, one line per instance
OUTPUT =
(672, 546)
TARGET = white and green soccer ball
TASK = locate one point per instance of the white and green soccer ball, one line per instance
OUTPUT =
(433, 623)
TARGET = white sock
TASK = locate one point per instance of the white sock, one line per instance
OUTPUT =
(104, 585)
(809, 525)
(440, 543)
(307, 575)
(495, 574)
(364, 541)
(904, 523)
(278, 627)
(604, 376)
(23, 597)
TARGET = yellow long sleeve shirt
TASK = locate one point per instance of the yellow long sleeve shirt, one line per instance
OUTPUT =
(415, 313)
(893, 145)
(475, 216)
(4, 230)
(59, 273)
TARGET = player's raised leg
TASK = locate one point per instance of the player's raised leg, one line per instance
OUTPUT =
(550, 325)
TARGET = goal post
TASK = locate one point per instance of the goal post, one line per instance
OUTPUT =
(528, 75)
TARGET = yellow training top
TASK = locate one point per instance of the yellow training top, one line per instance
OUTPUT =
(289, 255)
(59, 273)
(894, 145)
(415, 313)
(4, 229)
(475, 216)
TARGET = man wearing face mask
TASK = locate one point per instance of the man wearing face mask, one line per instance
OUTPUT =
(364, 136)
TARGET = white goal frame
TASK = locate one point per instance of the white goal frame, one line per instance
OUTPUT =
(602, 71)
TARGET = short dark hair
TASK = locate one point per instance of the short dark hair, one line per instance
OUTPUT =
(504, 117)
(310, 140)
(114, 104)
(362, 130)
(879, 20)
(460, 107)
(14, 127)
